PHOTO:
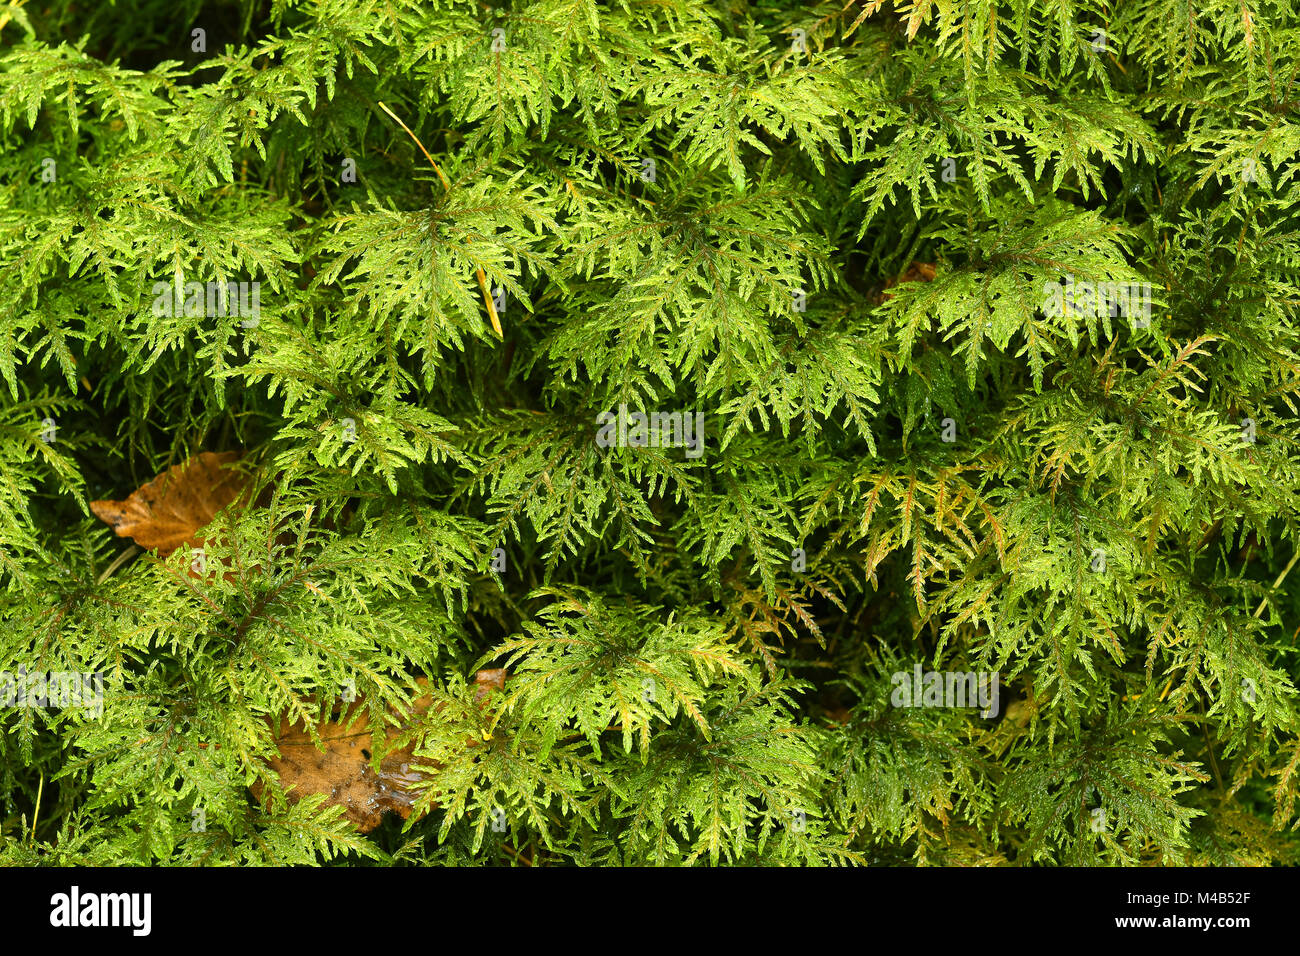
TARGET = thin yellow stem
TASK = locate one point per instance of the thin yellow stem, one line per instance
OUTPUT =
(478, 273)
(1278, 583)
(36, 811)
(445, 185)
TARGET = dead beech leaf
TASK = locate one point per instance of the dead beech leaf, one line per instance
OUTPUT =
(488, 680)
(342, 770)
(839, 715)
(171, 509)
(916, 272)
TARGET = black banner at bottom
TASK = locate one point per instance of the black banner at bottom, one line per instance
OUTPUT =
(729, 907)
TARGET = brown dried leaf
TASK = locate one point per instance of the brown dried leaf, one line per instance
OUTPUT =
(916, 272)
(170, 510)
(488, 681)
(839, 715)
(342, 771)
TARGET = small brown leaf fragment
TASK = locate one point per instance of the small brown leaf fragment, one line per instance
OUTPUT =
(170, 510)
(488, 681)
(839, 715)
(343, 771)
(916, 272)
